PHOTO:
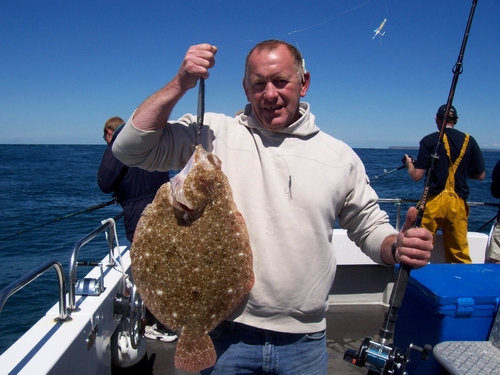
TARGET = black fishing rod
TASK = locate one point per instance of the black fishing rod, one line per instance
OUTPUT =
(497, 205)
(386, 172)
(378, 356)
(92, 208)
(404, 270)
(485, 224)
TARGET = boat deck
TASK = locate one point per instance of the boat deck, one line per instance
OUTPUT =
(347, 327)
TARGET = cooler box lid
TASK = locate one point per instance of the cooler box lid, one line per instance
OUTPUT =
(468, 289)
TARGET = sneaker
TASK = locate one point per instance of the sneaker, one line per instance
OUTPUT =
(155, 333)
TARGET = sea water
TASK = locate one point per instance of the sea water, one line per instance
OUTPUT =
(44, 185)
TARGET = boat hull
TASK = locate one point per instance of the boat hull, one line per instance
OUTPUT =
(71, 347)
(58, 348)
(359, 280)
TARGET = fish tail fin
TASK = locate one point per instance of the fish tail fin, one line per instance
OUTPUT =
(194, 353)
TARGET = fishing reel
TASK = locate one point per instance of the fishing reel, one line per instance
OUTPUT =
(383, 359)
(403, 159)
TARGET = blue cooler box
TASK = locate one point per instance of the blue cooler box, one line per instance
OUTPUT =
(446, 302)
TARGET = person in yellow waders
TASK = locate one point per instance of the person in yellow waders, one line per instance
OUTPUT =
(446, 206)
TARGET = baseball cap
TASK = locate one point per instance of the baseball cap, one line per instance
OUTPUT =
(442, 109)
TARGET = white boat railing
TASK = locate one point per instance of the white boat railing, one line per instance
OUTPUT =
(106, 327)
(73, 263)
(17, 285)
(400, 201)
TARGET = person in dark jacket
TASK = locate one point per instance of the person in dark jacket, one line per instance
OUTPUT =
(134, 189)
(493, 249)
(459, 158)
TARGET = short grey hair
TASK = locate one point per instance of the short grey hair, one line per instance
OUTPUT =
(272, 44)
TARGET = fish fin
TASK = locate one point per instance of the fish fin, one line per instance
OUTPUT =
(194, 353)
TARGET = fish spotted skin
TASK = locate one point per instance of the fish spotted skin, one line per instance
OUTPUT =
(191, 258)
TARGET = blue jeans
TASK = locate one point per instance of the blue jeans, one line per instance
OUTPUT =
(242, 349)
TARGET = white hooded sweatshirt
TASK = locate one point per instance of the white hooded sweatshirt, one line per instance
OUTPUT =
(290, 186)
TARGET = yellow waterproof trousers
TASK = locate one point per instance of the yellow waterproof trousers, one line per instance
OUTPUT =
(450, 212)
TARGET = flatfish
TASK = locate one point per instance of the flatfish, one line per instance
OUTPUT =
(191, 257)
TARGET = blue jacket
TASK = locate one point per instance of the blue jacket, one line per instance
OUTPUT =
(134, 188)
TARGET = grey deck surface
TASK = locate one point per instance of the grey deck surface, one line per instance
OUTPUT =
(347, 327)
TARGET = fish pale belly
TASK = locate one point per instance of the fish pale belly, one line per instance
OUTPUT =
(192, 275)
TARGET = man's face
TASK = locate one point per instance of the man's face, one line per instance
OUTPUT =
(108, 135)
(273, 89)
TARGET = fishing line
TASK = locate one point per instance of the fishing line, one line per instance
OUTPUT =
(201, 89)
(290, 33)
(92, 208)
(327, 21)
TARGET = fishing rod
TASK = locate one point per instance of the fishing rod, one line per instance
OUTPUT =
(486, 204)
(386, 172)
(487, 223)
(377, 356)
(88, 209)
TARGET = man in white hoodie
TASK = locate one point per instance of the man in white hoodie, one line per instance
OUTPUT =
(291, 182)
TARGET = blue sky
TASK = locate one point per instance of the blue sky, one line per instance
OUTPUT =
(67, 66)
